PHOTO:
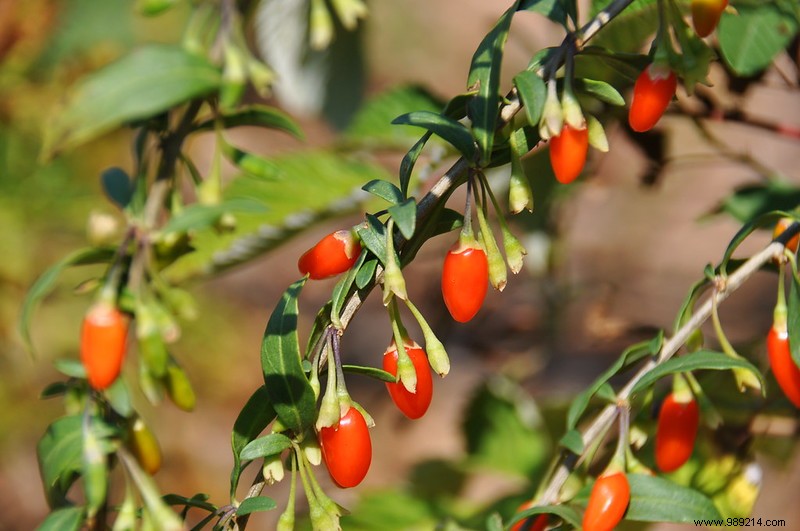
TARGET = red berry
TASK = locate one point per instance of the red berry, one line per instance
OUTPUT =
(607, 502)
(783, 366)
(332, 255)
(534, 523)
(413, 405)
(568, 153)
(103, 337)
(347, 449)
(677, 430)
(706, 14)
(652, 93)
(781, 226)
(465, 277)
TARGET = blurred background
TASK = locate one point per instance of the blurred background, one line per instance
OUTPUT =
(610, 261)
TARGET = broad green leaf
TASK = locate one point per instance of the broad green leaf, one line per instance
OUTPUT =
(199, 216)
(372, 125)
(117, 186)
(410, 160)
(566, 513)
(750, 39)
(288, 389)
(401, 508)
(255, 504)
(45, 283)
(503, 430)
(751, 201)
(450, 130)
(405, 217)
(254, 417)
(94, 468)
(628, 30)
(484, 75)
(631, 355)
(59, 455)
(655, 499)
(555, 10)
(366, 273)
(695, 361)
(532, 92)
(63, 519)
(265, 446)
(373, 236)
(142, 84)
(601, 90)
(255, 116)
(372, 372)
(384, 190)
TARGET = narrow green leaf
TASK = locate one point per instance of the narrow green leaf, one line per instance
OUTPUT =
(45, 283)
(198, 216)
(384, 190)
(53, 390)
(372, 372)
(484, 74)
(199, 501)
(286, 383)
(750, 39)
(255, 116)
(342, 288)
(555, 10)
(365, 273)
(142, 84)
(532, 92)
(448, 129)
(266, 446)
(405, 217)
(579, 404)
(794, 319)
(601, 90)
(254, 505)
(409, 160)
(695, 361)
(64, 519)
(70, 367)
(252, 163)
(373, 236)
(566, 513)
(572, 441)
(59, 455)
(655, 499)
(94, 468)
(256, 414)
(117, 186)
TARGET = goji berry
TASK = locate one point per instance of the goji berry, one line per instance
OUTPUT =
(608, 501)
(652, 93)
(103, 343)
(677, 429)
(347, 449)
(706, 15)
(783, 366)
(465, 278)
(413, 405)
(332, 255)
(568, 153)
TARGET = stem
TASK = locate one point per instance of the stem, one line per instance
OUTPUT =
(606, 416)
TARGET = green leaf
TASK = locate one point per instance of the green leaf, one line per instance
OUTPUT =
(555, 10)
(45, 283)
(373, 236)
(365, 273)
(572, 441)
(255, 504)
(142, 84)
(64, 519)
(70, 367)
(252, 163)
(601, 90)
(405, 217)
(254, 116)
(404, 510)
(409, 160)
(266, 446)
(794, 319)
(286, 383)
(372, 127)
(198, 501)
(53, 390)
(631, 355)
(695, 361)
(655, 499)
(484, 74)
(566, 513)
(750, 39)
(532, 92)
(450, 130)
(117, 186)
(384, 190)
(372, 372)
(341, 289)
(198, 216)
(256, 414)
(751, 201)
(629, 30)
(59, 455)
